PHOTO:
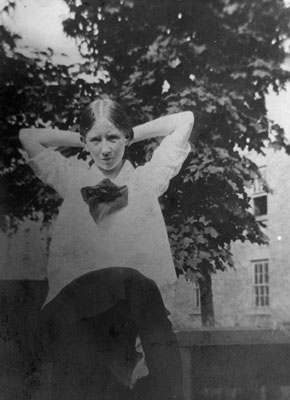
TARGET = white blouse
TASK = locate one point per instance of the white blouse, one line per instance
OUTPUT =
(134, 236)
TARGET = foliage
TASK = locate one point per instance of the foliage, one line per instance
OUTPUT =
(34, 92)
(215, 57)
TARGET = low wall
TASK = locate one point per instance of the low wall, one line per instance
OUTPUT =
(247, 364)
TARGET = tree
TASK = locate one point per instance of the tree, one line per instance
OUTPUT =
(216, 57)
(34, 91)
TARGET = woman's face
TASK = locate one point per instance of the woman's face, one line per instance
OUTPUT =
(106, 145)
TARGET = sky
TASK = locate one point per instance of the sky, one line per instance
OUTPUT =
(39, 23)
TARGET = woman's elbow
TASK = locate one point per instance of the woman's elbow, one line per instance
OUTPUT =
(25, 135)
(189, 117)
(29, 141)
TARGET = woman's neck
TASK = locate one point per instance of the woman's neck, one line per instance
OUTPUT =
(112, 173)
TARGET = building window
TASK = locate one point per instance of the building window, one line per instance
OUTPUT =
(259, 182)
(259, 196)
(260, 206)
(196, 296)
(261, 283)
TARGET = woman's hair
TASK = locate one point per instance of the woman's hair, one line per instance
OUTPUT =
(105, 109)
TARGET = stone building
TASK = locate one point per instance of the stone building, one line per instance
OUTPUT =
(257, 292)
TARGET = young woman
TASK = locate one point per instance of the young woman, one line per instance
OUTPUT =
(108, 252)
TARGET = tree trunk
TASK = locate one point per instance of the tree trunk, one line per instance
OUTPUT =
(206, 300)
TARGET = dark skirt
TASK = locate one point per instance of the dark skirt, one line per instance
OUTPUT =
(97, 292)
(90, 329)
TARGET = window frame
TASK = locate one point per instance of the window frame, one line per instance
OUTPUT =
(257, 192)
(257, 182)
(196, 297)
(261, 281)
(260, 216)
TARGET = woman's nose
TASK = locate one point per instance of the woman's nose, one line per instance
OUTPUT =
(106, 149)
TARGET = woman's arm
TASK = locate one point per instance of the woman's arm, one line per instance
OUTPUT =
(180, 123)
(34, 140)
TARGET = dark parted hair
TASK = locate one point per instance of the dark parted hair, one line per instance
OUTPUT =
(107, 109)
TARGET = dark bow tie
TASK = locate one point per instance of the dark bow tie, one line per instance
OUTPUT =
(104, 198)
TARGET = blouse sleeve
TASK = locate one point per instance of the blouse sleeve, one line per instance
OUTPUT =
(52, 168)
(165, 163)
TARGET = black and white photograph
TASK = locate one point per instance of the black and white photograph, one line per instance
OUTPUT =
(145, 200)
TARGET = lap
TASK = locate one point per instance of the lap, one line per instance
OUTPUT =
(92, 326)
(95, 293)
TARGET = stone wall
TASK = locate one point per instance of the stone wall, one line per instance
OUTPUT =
(233, 290)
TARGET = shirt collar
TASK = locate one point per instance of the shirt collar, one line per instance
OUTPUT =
(121, 178)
